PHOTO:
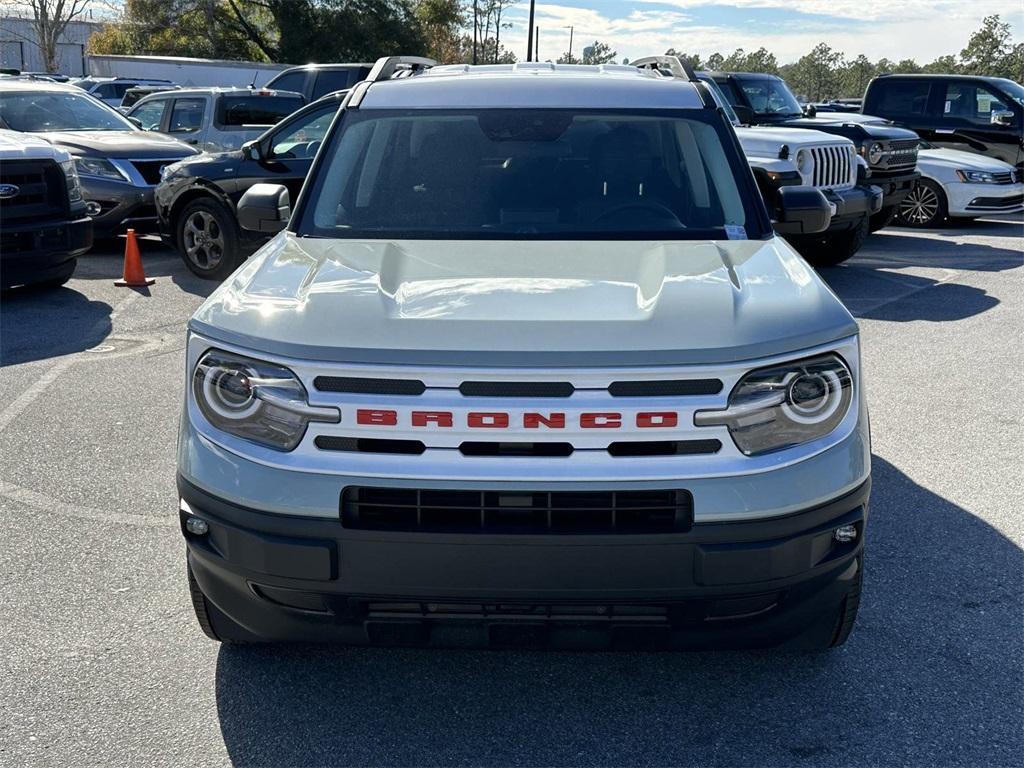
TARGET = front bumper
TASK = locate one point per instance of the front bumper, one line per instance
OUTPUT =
(894, 188)
(716, 585)
(37, 252)
(123, 206)
(852, 205)
(979, 199)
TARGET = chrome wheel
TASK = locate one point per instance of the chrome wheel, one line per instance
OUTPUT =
(203, 240)
(921, 206)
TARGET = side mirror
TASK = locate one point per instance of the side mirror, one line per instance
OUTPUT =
(251, 150)
(134, 121)
(810, 110)
(745, 114)
(1002, 117)
(265, 208)
(802, 211)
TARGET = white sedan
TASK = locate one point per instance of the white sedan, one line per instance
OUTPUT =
(960, 185)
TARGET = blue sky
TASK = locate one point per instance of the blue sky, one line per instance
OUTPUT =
(896, 29)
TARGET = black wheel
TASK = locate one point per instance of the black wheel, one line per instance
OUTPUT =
(832, 248)
(67, 270)
(208, 239)
(882, 219)
(215, 625)
(924, 206)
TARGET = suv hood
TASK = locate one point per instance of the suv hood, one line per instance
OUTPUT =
(134, 145)
(764, 141)
(553, 303)
(15, 145)
(869, 126)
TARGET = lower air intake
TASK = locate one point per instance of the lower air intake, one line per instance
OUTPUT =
(516, 512)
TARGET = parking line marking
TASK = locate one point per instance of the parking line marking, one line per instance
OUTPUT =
(50, 505)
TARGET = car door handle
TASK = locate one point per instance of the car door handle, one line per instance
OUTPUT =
(945, 130)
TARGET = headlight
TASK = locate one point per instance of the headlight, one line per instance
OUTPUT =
(977, 177)
(875, 153)
(804, 163)
(71, 179)
(258, 401)
(95, 166)
(779, 407)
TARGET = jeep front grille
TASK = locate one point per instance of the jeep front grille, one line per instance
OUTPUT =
(516, 512)
(835, 167)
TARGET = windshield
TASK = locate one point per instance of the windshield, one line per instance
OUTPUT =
(58, 111)
(543, 173)
(1012, 89)
(720, 100)
(770, 97)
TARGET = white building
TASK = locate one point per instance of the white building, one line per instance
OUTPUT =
(19, 49)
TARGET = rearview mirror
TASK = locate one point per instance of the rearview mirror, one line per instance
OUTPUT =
(802, 211)
(1002, 117)
(265, 208)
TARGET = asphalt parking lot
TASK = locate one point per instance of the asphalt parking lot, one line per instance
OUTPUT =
(103, 662)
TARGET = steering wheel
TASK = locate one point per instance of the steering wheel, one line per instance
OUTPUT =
(650, 206)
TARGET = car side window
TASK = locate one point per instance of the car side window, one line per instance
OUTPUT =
(303, 138)
(105, 91)
(905, 98)
(293, 81)
(329, 81)
(971, 102)
(150, 114)
(187, 115)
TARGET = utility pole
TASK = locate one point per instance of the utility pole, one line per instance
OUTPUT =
(536, 46)
(529, 34)
(476, 16)
(570, 41)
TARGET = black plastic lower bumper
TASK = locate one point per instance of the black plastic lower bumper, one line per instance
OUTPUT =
(41, 251)
(894, 188)
(852, 205)
(717, 585)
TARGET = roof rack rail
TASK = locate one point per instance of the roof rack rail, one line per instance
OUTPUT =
(674, 65)
(387, 66)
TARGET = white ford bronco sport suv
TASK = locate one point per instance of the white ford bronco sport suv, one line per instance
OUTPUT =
(527, 367)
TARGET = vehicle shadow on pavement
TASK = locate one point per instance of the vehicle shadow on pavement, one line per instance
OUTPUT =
(36, 324)
(157, 260)
(894, 248)
(930, 676)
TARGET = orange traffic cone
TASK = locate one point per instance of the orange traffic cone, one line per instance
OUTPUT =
(134, 274)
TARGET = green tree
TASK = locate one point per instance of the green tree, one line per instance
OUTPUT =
(989, 50)
(760, 60)
(855, 76)
(598, 53)
(942, 65)
(816, 75)
(692, 58)
(714, 62)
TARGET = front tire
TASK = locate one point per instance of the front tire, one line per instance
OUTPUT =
(208, 239)
(924, 206)
(832, 248)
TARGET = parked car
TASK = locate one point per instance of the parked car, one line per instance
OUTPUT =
(133, 95)
(526, 365)
(118, 164)
(838, 105)
(43, 223)
(316, 80)
(960, 185)
(890, 151)
(197, 197)
(111, 90)
(215, 119)
(984, 115)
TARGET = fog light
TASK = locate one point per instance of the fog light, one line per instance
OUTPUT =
(200, 528)
(93, 208)
(844, 534)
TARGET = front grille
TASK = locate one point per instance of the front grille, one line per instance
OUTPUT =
(517, 388)
(833, 166)
(899, 155)
(368, 445)
(42, 190)
(516, 512)
(149, 170)
(1004, 177)
(362, 386)
(670, 388)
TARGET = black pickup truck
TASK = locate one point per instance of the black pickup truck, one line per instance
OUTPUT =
(891, 152)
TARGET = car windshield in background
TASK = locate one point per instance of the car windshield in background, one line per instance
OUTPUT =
(575, 174)
(1012, 89)
(257, 110)
(58, 111)
(770, 97)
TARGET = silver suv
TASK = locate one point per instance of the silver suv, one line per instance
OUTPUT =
(215, 119)
(527, 366)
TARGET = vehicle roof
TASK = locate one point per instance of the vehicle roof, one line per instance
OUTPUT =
(16, 84)
(336, 65)
(534, 84)
(751, 75)
(227, 91)
(901, 75)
